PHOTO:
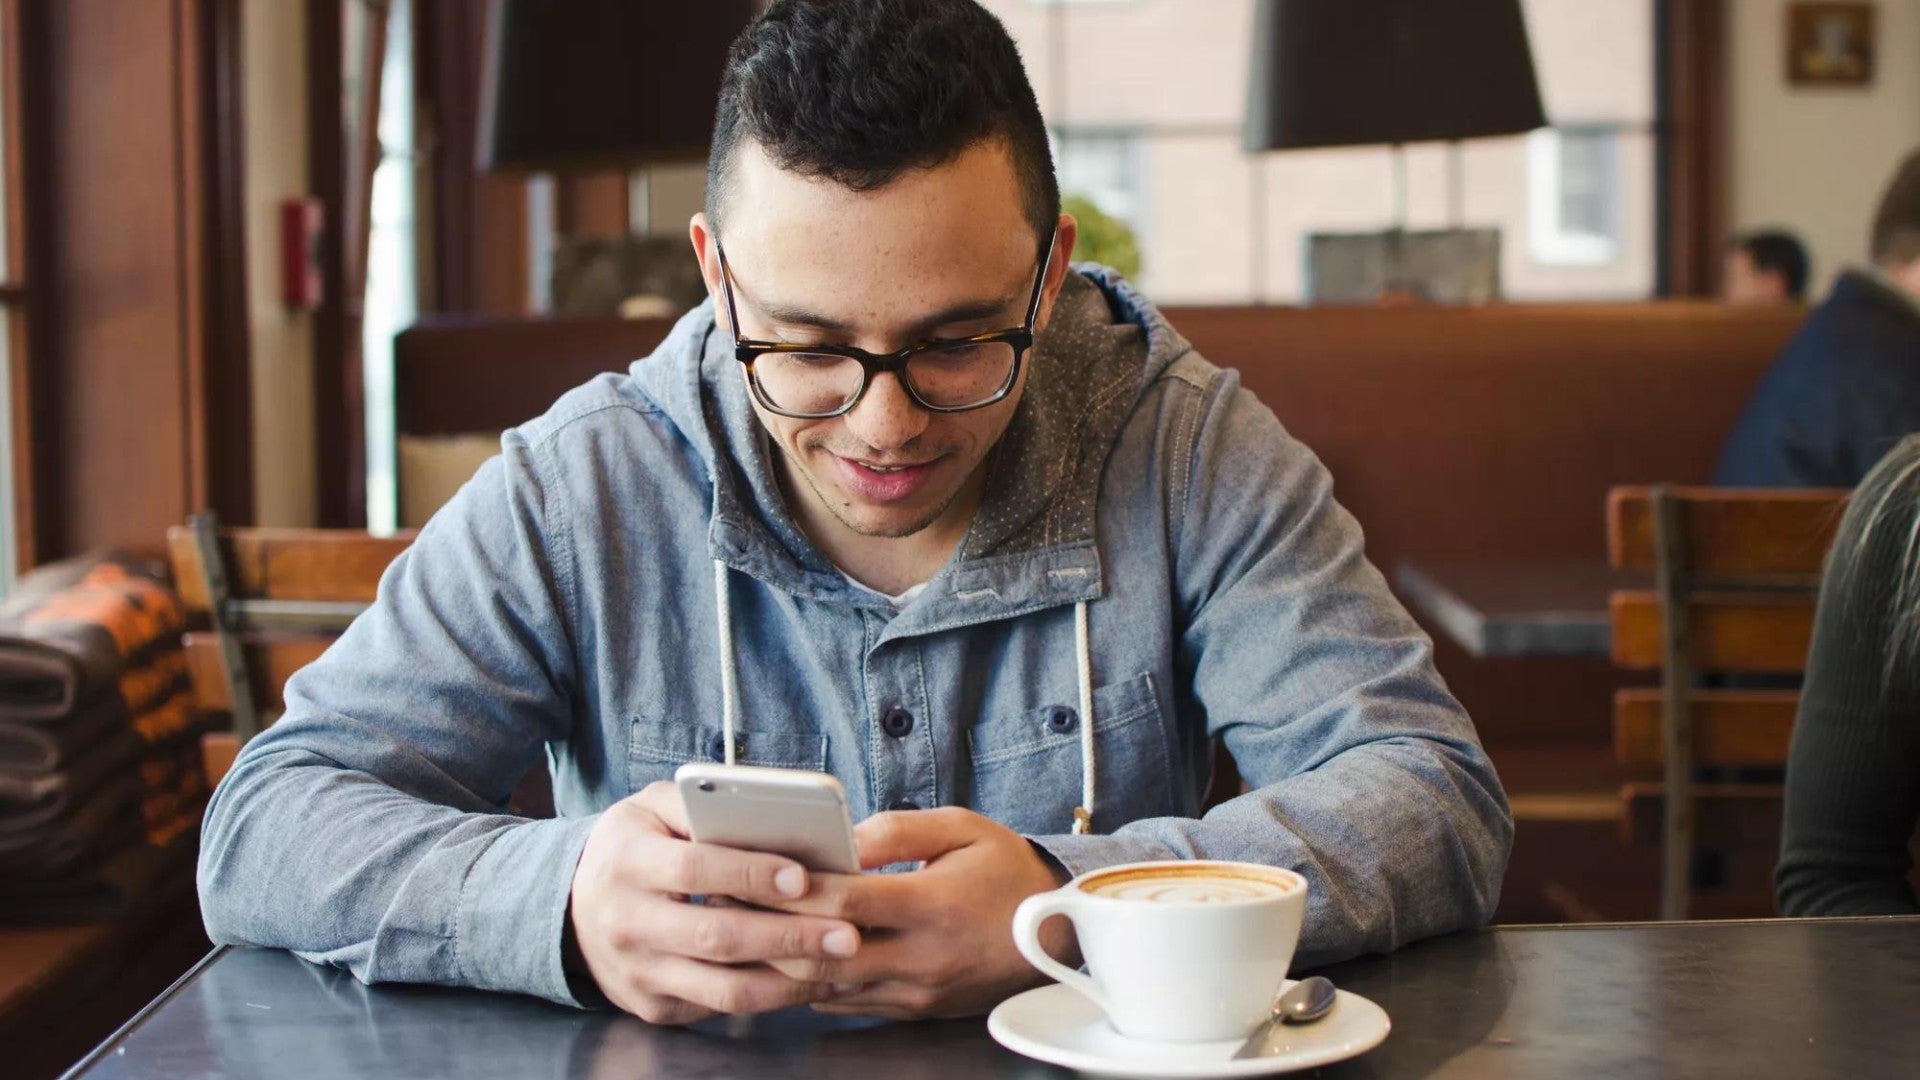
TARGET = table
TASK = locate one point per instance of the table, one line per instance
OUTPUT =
(1507, 608)
(1782, 997)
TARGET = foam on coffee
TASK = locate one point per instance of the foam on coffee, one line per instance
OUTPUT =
(1187, 885)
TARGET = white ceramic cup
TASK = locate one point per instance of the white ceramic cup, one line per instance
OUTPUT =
(1181, 966)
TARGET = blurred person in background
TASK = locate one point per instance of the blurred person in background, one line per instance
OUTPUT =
(1766, 266)
(1847, 387)
(1853, 775)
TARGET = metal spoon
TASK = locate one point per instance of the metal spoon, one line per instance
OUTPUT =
(1302, 1003)
(1305, 1001)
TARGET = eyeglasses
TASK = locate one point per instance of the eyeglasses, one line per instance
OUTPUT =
(813, 382)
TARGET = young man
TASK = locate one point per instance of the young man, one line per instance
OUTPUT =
(1847, 387)
(1768, 266)
(850, 517)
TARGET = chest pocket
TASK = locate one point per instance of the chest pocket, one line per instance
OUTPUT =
(1026, 764)
(655, 748)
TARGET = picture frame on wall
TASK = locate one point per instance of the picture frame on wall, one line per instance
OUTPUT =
(1830, 44)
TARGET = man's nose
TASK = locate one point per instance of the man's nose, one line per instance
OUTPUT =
(886, 418)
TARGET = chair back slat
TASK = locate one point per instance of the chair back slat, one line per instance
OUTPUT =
(1759, 633)
(272, 661)
(1731, 728)
(287, 564)
(276, 599)
(1729, 533)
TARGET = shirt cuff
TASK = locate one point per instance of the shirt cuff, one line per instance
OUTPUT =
(513, 908)
(1084, 853)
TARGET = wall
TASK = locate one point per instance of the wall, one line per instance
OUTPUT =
(274, 84)
(1815, 160)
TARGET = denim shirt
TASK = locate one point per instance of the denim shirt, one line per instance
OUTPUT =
(565, 601)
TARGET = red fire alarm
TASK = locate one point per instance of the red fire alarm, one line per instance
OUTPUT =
(301, 219)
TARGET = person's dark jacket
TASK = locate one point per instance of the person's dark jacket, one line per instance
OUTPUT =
(1845, 389)
(1853, 774)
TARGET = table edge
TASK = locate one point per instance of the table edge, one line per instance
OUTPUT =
(1463, 624)
(1772, 920)
(93, 1056)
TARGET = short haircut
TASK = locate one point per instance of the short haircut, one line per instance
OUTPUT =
(1780, 252)
(860, 91)
(1896, 224)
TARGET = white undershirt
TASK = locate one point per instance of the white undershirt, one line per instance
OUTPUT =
(898, 602)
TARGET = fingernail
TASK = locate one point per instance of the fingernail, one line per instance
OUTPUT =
(841, 943)
(791, 881)
(845, 988)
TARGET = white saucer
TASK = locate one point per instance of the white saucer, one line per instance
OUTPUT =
(1056, 1025)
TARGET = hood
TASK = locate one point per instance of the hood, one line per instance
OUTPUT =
(1103, 346)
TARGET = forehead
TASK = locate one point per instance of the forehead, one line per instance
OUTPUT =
(951, 232)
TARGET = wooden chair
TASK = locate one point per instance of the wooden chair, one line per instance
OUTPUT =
(1736, 575)
(272, 601)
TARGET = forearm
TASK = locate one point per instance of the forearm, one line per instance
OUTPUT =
(1399, 839)
(304, 854)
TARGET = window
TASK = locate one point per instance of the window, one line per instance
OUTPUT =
(1104, 168)
(12, 294)
(393, 299)
(1573, 192)
(1145, 100)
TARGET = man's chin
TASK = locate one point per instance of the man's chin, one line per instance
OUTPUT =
(887, 523)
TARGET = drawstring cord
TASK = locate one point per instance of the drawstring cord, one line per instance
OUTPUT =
(729, 685)
(1083, 663)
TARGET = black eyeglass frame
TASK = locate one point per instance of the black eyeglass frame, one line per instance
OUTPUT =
(747, 350)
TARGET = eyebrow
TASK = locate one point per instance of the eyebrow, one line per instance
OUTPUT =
(960, 312)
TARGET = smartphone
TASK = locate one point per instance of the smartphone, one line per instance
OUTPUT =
(791, 812)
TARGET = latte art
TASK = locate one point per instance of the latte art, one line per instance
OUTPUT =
(1175, 886)
(1187, 890)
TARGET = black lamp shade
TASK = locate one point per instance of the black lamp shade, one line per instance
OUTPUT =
(594, 84)
(1356, 72)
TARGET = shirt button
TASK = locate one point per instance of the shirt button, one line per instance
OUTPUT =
(1061, 719)
(897, 722)
(903, 804)
(717, 748)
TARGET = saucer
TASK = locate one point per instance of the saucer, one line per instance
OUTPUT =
(1056, 1025)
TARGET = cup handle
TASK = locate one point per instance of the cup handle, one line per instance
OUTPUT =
(1027, 918)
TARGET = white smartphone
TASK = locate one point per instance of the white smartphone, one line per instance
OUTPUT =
(791, 812)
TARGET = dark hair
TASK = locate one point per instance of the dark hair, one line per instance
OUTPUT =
(1884, 517)
(1780, 252)
(1896, 224)
(860, 91)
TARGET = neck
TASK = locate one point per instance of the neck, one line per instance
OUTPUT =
(889, 564)
(1905, 277)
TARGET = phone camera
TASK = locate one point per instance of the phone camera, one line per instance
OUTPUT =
(706, 785)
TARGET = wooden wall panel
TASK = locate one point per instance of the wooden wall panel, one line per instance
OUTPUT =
(135, 370)
(116, 273)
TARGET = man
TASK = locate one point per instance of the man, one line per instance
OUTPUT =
(1764, 267)
(1847, 387)
(845, 518)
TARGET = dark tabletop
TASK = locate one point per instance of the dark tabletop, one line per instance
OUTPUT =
(1787, 997)
(1516, 607)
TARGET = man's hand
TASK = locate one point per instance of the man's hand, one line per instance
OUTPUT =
(672, 962)
(939, 939)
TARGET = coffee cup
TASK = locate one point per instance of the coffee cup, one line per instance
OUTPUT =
(1189, 951)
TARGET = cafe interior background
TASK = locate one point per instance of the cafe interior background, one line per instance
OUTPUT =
(299, 262)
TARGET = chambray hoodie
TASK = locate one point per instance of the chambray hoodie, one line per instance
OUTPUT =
(567, 601)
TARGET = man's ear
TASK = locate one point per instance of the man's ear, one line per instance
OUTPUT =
(1066, 232)
(707, 252)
